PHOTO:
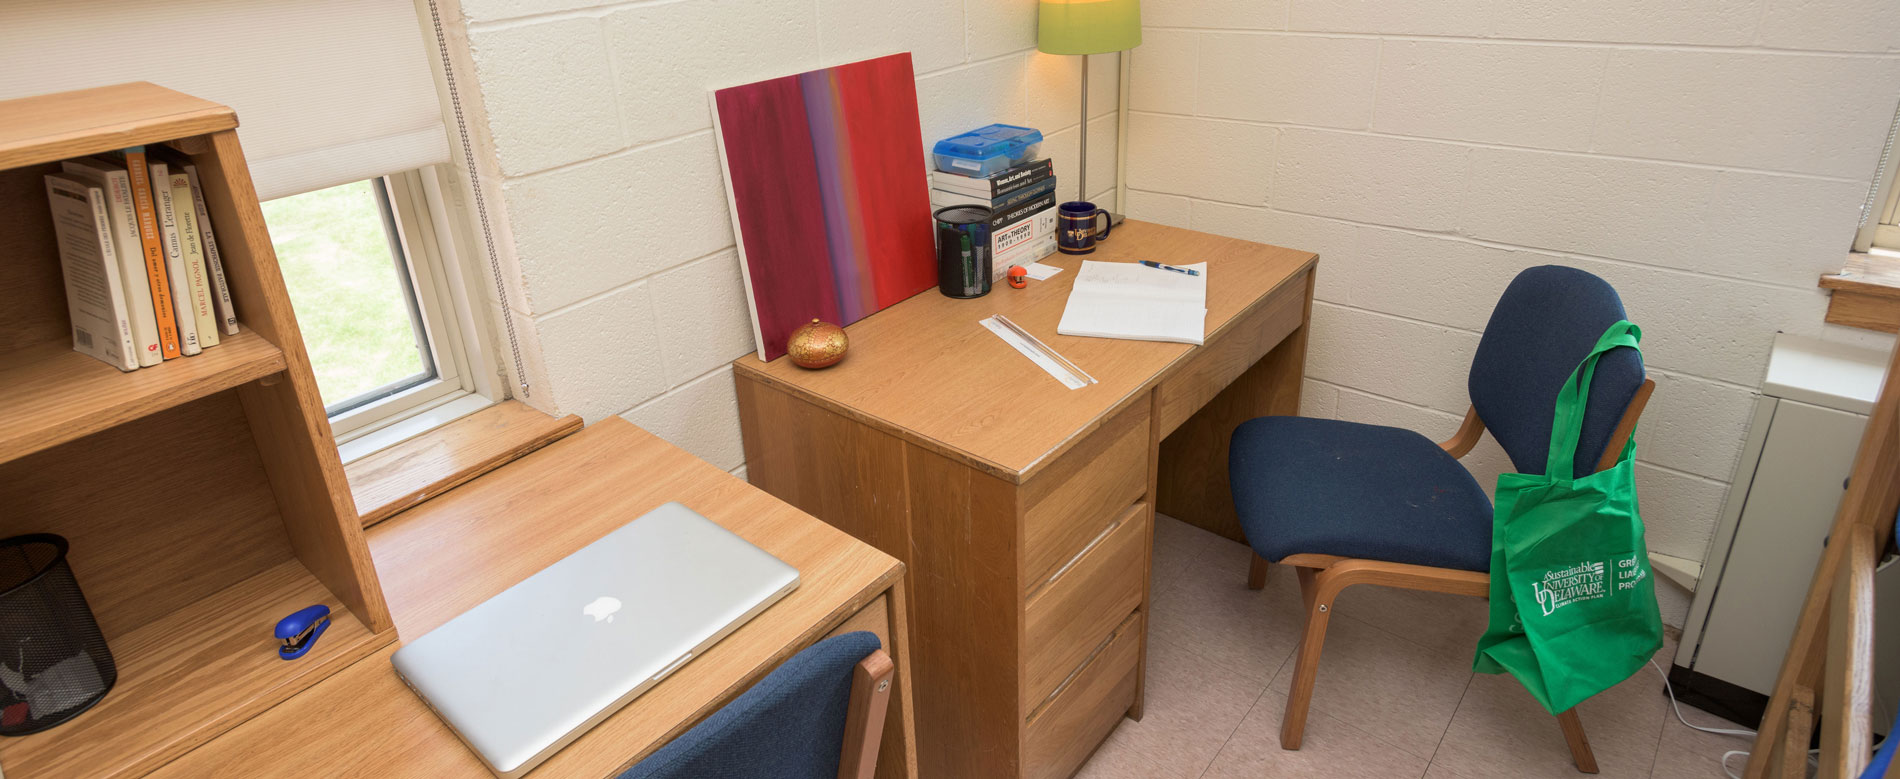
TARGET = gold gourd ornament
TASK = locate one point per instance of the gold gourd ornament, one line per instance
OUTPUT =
(819, 344)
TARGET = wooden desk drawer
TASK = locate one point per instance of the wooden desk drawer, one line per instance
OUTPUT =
(1067, 619)
(1214, 366)
(1065, 731)
(1068, 504)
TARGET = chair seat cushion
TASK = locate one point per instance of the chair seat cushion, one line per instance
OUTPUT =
(1323, 486)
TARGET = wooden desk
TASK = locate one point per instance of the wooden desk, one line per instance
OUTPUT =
(443, 557)
(1024, 509)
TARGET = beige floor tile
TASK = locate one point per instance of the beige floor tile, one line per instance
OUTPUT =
(1179, 545)
(1331, 750)
(1209, 610)
(1192, 708)
(1500, 731)
(1447, 623)
(1379, 683)
(1115, 760)
(1686, 753)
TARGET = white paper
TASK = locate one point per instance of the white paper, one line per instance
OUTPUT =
(1035, 355)
(1041, 272)
(1135, 302)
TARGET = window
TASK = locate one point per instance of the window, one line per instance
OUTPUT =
(1880, 222)
(1885, 222)
(382, 306)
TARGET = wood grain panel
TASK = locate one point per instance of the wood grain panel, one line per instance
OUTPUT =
(59, 126)
(1066, 730)
(148, 540)
(847, 474)
(1858, 309)
(966, 615)
(1192, 481)
(175, 685)
(1230, 353)
(925, 370)
(435, 462)
(30, 280)
(287, 417)
(1069, 618)
(1070, 503)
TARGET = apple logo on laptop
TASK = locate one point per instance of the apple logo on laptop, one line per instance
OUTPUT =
(602, 608)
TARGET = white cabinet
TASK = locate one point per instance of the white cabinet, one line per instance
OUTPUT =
(1793, 473)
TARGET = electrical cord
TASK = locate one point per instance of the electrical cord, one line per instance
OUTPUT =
(1743, 732)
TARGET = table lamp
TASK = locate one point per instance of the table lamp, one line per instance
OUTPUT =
(1087, 27)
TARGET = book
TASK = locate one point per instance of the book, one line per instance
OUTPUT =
(198, 277)
(1135, 302)
(94, 300)
(1001, 220)
(1023, 254)
(117, 185)
(152, 248)
(227, 311)
(1026, 174)
(940, 198)
(167, 215)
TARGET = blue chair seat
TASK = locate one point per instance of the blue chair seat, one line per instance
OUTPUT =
(1323, 486)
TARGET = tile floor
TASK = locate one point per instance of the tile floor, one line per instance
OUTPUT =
(1395, 698)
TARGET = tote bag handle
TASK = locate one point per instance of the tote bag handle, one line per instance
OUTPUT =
(1567, 425)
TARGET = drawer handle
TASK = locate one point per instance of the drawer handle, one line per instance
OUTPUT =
(1066, 567)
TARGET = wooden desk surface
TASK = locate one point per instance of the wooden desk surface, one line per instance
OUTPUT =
(447, 555)
(925, 370)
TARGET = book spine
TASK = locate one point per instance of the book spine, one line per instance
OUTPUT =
(1009, 217)
(940, 198)
(94, 304)
(125, 245)
(1041, 224)
(1024, 175)
(174, 260)
(152, 247)
(204, 312)
(215, 262)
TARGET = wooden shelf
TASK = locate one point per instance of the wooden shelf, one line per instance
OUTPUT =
(1866, 293)
(193, 674)
(88, 121)
(56, 394)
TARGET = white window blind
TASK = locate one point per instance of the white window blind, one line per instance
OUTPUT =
(325, 92)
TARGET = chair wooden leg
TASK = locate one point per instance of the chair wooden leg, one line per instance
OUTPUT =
(1257, 573)
(1579, 743)
(1306, 660)
(864, 721)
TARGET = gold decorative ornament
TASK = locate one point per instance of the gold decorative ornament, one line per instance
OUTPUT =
(817, 345)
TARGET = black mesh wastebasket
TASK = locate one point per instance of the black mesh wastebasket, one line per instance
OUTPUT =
(53, 661)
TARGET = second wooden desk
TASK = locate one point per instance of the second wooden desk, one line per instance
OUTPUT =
(1023, 509)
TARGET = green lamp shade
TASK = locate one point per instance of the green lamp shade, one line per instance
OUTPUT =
(1088, 26)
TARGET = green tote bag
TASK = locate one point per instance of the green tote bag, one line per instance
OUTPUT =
(1573, 602)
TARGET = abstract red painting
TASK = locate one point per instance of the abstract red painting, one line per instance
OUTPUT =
(825, 175)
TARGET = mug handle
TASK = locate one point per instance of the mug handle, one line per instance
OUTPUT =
(1108, 223)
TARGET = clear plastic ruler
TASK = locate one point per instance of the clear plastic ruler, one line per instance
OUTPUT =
(1071, 375)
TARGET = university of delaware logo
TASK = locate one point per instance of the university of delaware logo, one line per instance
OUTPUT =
(602, 609)
(1564, 586)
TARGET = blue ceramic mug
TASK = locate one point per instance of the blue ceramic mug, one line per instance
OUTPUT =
(1076, 229)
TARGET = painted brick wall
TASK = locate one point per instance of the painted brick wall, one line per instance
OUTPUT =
(626, 283)
(1706, 157)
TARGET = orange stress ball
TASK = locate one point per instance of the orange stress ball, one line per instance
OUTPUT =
(1018, 276)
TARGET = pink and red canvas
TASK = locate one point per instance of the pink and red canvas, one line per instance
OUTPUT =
(825, 171)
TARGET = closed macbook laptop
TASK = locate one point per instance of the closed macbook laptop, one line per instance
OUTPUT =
(528, 671)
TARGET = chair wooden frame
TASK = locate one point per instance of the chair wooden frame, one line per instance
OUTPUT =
(864, 720)
(1323, 577)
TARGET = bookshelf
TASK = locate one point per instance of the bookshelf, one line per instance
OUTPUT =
(203, 497)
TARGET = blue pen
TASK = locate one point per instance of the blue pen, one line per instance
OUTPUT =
(1188, 271)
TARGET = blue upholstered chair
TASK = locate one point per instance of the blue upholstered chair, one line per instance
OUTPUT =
(1348, 503)
(818, 716)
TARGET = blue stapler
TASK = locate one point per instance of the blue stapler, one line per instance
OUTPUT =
(300, 630)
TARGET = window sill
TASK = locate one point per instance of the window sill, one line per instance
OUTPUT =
(1866, 293)
(389, 481)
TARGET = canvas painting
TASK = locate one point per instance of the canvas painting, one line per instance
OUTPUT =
(825, 174)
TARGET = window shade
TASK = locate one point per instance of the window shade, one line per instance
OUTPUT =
(325, 92)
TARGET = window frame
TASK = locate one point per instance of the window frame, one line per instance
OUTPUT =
(455, 339)
(1881, 228)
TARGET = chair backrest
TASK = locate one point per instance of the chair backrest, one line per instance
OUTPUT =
(1545, 323)
(791, 724)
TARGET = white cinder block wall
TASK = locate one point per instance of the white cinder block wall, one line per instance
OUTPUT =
(627, 287)
(1707, 157)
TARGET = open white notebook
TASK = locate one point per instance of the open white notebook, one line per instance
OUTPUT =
(1138, 303)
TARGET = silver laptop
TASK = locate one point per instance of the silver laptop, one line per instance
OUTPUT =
(531, 669)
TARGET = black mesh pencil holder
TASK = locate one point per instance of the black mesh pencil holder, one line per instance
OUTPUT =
(53, 660)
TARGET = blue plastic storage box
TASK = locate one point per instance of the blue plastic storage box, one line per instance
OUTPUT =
(987, 151)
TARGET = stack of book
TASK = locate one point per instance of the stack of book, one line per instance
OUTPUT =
(1022, 201)
(144, 283)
